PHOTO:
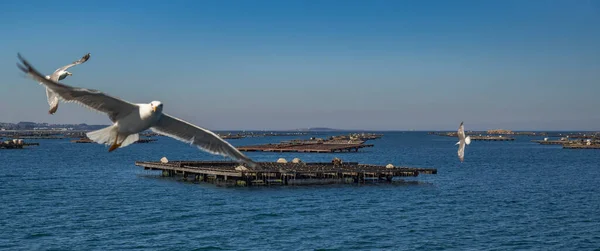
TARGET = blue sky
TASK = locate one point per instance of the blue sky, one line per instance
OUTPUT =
(393, 65)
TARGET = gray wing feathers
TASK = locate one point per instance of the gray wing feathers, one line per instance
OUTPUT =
(82, 60)
(200, 137)
(461, 132)
(461, 151)
(113, 107)
(461, 141)
(52, 100)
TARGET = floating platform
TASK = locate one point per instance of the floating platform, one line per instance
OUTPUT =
(305, 148)
(140, 141)
(551, 142)
(491, 138)
(37, 137)
(240, 135)
(19, 145)
(578, 146)
(274, 173)
(230, 136)
(87, 140)
(82, 141)
(357, 136)
(476, 137)
(563, 142)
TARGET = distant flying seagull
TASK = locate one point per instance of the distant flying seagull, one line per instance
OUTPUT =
(60, 74)
(130, 119)
(462, 142)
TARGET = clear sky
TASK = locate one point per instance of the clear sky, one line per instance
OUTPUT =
(394, 65)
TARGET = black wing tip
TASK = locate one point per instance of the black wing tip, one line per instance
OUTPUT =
(83, 59)
(23, 65)
(21, 58)
(22, 68)
(86, 57)
(28, 68)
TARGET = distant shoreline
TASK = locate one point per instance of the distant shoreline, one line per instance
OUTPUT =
(24, 126)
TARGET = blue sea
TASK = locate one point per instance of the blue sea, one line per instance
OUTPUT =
(506, 196)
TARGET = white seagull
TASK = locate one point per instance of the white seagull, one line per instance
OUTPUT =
(60, 74)
(462, 142)
(130, 119)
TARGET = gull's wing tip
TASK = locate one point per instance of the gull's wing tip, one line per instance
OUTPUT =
(251, 163)
(22, 68)
(23, 61)
(23, 65)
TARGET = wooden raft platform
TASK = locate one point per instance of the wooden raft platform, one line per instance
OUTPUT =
(5, 145)
(551, 142)
(86, 140)
(578, 146)
(37, 137)
(304, 148)
(491, 138)
(273, 173)
(475, 136)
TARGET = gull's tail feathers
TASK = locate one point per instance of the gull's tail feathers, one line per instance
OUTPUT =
(468, 140)
(457, 143)
(132, 138)
(106, 135)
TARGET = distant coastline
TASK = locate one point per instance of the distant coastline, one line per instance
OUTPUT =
(46, 126)
(24, 125)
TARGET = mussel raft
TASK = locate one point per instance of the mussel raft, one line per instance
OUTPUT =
(282, 172)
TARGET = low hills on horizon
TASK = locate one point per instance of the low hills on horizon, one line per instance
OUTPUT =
(24, 125)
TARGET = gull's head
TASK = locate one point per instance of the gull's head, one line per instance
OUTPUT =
(64, 74)
(156, 106)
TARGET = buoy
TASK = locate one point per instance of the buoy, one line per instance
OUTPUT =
(241, 168)
(164, 160)
(336, 161)
(389, 166)
(296, 160)
(281, 160)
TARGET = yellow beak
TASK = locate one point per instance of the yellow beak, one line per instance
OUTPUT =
(154, 108)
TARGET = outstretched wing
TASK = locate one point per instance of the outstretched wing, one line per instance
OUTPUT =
(461, 132)
(200, 137)
(56, 73)
(461, 151)
(115, 108)
(52, 100)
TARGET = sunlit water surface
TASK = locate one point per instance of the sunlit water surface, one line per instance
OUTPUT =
(505, 196)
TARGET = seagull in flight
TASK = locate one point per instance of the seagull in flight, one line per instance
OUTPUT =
(130, 119)
(60, 74)
(462, 142)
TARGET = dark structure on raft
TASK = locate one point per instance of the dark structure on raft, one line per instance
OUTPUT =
(305, 148)
(275, 173)
(491, 138)
(16, 144)
(571, 144)
(86, 140)
(579, 146)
